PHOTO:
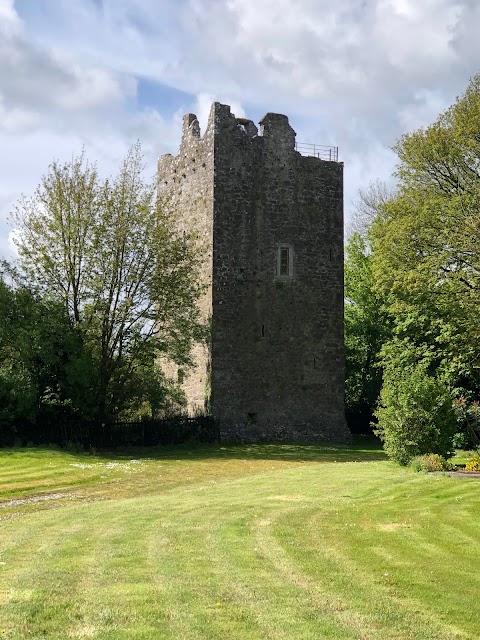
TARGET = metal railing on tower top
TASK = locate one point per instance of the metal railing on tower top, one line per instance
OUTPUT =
(321, 151)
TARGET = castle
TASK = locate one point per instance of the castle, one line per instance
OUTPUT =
(269, 223)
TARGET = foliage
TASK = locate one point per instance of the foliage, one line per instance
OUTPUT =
(468, 423)
(473, 464)
(430, 462)
(46, 375)
(425, 254)
(415, 414)
(366, 329)
(108, 251)
(460, 441)
(426, 266)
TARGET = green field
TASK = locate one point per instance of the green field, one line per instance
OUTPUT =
(277, 541)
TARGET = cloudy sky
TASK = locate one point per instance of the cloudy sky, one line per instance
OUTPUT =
(104, 73)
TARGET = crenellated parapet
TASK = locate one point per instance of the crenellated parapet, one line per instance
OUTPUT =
(275, 137)
(276, 129)
(191, 126)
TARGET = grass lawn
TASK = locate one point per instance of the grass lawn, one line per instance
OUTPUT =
(244, 542)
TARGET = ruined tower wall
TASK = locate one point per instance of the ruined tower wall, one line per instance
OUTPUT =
(277, 341)
(276, 353)
(185, 185)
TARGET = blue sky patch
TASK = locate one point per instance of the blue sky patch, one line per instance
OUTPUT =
(161, 97)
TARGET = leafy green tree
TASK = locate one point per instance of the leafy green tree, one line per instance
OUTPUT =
(415, 414)
(367, 324)
(426, 259)
(45, 373)
(128, 281)
(366, 330)
(425, 245)
(17, 395)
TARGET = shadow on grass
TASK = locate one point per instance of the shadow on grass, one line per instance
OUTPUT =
(362, 449)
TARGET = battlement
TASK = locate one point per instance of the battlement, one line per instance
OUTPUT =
(191, 126)
(275, 131)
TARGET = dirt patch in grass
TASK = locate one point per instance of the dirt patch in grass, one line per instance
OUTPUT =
(393, 526)
(35, 499)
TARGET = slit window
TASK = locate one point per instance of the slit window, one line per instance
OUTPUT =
(284, 261)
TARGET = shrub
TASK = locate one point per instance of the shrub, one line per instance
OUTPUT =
(431, 462)
(467, 413)
(415, 414)
(461, 441)
(473, 464)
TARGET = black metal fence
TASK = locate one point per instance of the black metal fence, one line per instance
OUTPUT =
(174, 430)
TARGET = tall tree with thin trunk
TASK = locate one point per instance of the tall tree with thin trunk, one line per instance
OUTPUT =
(109, 251)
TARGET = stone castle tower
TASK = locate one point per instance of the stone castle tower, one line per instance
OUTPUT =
(270, 227)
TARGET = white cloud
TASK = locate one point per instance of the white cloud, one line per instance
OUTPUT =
(53, 102)
(417, 37)
(356, 73)
(202, 109)
(9, 21)
(44, 81)
(26, 155)
(365, 59)
(422, 110)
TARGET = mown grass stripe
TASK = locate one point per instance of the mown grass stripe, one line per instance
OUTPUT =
(218, 543)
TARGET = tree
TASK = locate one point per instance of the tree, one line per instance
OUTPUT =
(415, 414)
(108, 251)
(425, 254)
(366, 330)
(368, 206)
(17, 394)
(367, 324)
(45, 374)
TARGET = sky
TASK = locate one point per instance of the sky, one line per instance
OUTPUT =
(100, 74)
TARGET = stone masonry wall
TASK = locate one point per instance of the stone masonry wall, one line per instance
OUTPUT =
(185, 184)
(277, 342)
(277, 361)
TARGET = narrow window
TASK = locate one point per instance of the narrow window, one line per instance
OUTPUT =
(284, 261)
(263, 330)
